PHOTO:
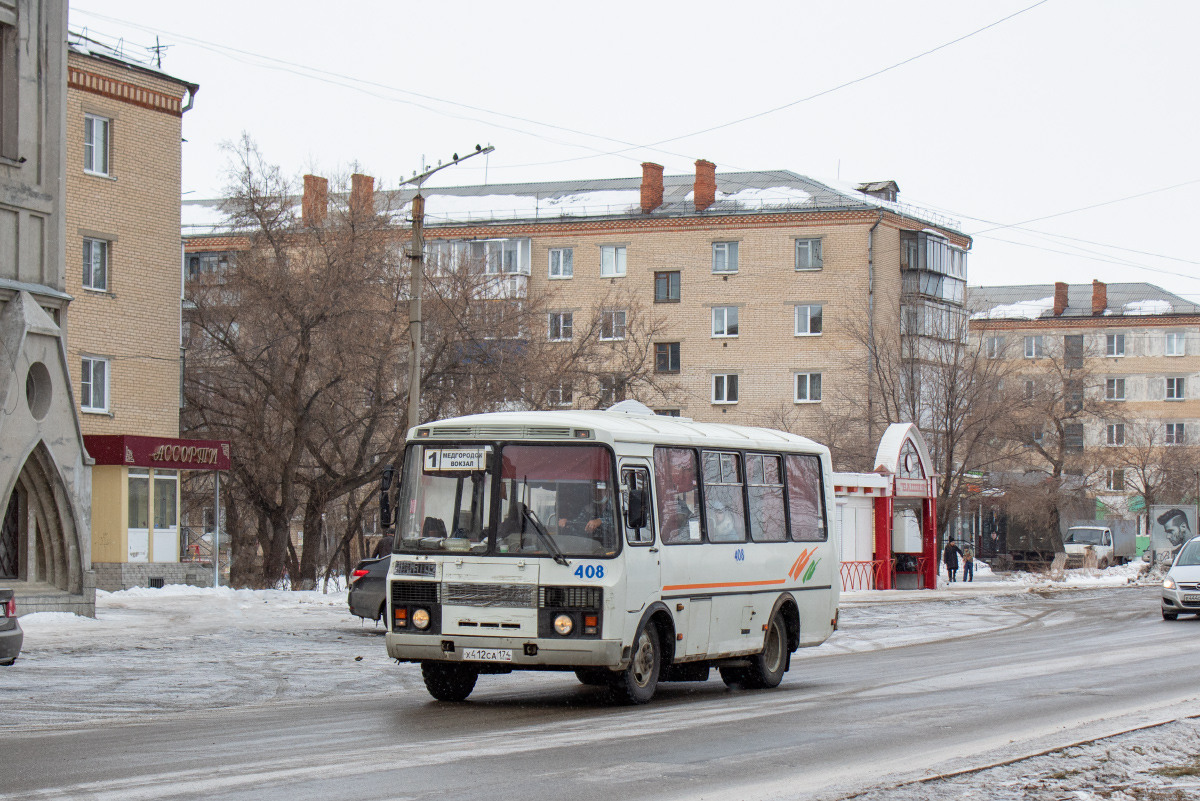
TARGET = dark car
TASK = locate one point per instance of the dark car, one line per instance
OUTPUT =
(11, 635)
(368, 588)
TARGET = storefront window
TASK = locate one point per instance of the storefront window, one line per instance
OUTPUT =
(139, 498)
(166, 487)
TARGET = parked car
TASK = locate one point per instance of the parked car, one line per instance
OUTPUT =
(11, 635)
(1181, 586)
(368, 588)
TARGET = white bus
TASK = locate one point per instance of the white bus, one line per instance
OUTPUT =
(629, 547)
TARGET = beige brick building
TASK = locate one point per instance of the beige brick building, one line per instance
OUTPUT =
(760, 280)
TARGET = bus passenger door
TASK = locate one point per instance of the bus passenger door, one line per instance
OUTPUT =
(641, 546)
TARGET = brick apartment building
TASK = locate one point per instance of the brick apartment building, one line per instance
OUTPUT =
(124, 123)
(760, 279)
(1139, 344)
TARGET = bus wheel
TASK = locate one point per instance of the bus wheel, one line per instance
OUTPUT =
(768, 666)
(449, 681)
(637, 683)
(594, 677)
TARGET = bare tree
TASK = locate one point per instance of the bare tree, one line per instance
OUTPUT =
(1161, 469)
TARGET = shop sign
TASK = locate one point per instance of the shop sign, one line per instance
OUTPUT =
(159, 452)
(913, 488)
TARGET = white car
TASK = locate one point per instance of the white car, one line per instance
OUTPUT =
(1181, 587)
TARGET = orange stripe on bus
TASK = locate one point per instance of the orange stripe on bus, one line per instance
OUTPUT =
(723, 584)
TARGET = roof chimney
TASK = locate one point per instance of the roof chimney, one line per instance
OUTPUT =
(315, 203)
(362, 194)
(704, 191)
(1099, 297)
(1060, 298)
(652, 186)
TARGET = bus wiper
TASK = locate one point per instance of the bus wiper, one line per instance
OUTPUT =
(551, 545)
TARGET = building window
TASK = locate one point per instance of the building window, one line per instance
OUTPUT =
(1115, 434)
(666, 287)
(93, 385)
(9, 50)
(1114, 345)
(1030, 389)
(667, 412)
(1073, 396)
(215, 262)
(1175, 434)
(808, 320)
(562, 395)
(808, 387)
(725, 388)
(808, 254)
(1073, 437)
(1114, 479)
(95, 264)
(725, 257)
(1175, 389)
(95, 144)
(562, 262)
(612, 261)
(611, 390)
(612, 325)
(725, 321)
(995, 347)
(1036, 435)
(1114, 389)
(1175, 344)
(1034, 348)
(666, 357)
(561, 326)
(1073, 351)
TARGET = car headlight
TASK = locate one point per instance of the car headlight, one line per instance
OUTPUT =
(563, 624)
(1168, 583)
(420, 618)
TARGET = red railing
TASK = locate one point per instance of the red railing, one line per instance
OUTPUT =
(866, 575)
(922, 566)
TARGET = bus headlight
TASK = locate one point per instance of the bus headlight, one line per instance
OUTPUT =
(420, 618)
(563, 624)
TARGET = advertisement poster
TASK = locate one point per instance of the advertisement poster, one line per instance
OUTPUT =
(1171, 526)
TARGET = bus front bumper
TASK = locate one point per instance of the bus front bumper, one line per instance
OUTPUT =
(546, 652)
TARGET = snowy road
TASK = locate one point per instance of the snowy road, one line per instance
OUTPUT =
(251, 701)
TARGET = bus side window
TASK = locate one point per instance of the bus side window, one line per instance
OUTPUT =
(724, 510)
(805, 501)
(764, 488)
(637, 479)
(676, 474)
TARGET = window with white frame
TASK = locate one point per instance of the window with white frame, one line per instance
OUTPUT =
(1175, 344)
(1115, 434)
(93, 384)
(561, 326)
(95, 264)
(1175, 434)
(1114, 344)
(612, 325)
(1114, 389)
(612, 390)
(725, 257)
(808, 320)
(724, 388)
(1030, 389)
(1175, 389)
(1114, 479)
(725, 321)
(96, 144)
(561, 395)
(808, 387)
(995, 347)
(1034, 347)
(808, 254)
(562, 262)
(612, 261)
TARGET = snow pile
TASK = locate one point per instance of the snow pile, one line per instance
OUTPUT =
(1025, 309)
(202, 217)
(763, 198)
(487, 207)
(1148, 307)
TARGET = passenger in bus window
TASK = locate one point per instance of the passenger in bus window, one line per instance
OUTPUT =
(724, 525)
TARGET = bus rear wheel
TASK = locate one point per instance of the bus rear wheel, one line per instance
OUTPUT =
(449, 681)
(766, 667)
(636, 684)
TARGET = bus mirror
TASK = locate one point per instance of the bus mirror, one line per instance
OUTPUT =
(636, 513)
(385, 496)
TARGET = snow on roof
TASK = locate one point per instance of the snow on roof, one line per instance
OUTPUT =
(1027, 309)
(464, 208)
(1147, 307)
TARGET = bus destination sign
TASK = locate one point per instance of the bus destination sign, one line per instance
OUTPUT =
(444, 459)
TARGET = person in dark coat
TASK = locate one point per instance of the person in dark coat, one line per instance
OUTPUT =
(383, 547)
(950, 558)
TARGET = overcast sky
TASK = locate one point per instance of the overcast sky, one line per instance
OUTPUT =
(1062, 106)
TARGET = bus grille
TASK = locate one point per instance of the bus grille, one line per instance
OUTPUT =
(509, 595)
(414, 592)
(570, 597)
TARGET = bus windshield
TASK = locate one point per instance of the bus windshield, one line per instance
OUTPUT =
(552, 500)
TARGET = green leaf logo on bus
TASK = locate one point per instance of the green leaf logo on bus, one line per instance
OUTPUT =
(802, 561)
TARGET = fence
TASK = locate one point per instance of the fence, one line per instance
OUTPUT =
(195, 545)
(866, 575)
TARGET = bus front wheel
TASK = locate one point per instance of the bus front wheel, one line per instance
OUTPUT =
(449, 681)
(636, 684)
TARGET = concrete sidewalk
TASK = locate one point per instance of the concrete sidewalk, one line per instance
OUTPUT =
(990, 587)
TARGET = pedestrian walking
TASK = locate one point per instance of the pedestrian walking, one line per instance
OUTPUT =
(950, 558)
(968, 564)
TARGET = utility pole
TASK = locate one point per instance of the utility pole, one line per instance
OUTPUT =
(416, 278)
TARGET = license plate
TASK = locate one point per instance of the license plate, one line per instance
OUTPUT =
(487, 655)
(1191, 599)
